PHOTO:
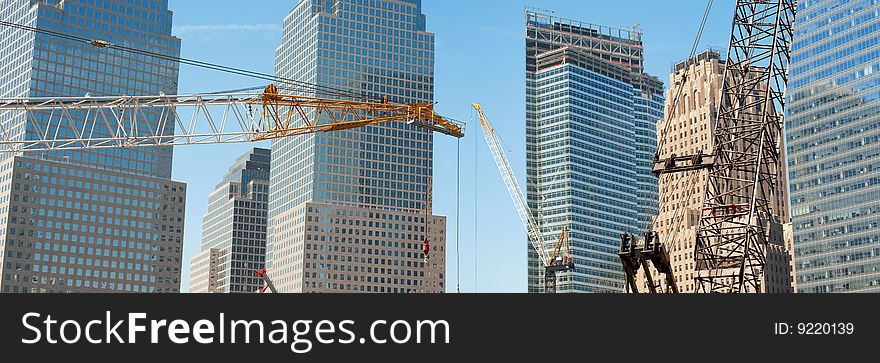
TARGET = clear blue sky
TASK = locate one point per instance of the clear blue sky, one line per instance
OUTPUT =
(480, 57)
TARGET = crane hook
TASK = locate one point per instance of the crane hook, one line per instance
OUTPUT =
(426, 248)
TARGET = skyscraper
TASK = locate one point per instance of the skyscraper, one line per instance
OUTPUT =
(234, 229)
(349, 211)
(590, 139)
(98, 220)
(690, 132)
(832, 131)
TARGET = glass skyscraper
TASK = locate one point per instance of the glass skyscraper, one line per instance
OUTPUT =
(234, 229)
(591, 113)
(99, 220)
(349, 211)
(833, 134)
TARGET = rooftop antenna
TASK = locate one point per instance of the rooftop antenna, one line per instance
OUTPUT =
(636, 33)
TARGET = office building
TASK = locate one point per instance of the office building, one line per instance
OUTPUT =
(834, 146)
(98, 220)
(349, 211)
(234, 229)
(590, 137)
(689, 131)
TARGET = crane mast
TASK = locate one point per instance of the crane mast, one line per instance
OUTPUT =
(560, 260)
(743, 199)
(742, 194)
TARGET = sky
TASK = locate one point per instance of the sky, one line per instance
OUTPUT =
(479, 57)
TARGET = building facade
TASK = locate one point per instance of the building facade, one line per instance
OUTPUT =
(349, 211)
(590, 139)
(832, 130)
(234, 229)
(97, 220)
(689, 131)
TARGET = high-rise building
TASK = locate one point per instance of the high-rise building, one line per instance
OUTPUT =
(590, 139)
(234, 229)
(689, 131)
(834, 146)
(349, 211)
(98, 220)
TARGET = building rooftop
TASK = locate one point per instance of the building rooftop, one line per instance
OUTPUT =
(708, 54)
(582, 59)
(547, 19)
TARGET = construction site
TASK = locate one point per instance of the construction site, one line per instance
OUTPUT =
(702, 176)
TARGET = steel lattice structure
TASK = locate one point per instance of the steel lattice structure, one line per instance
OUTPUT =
(77, 123)
(559, 260)
(742, 185)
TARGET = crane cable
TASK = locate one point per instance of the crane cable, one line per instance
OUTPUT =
(680, 92)
(679, 213)
(647, 222)
(476, 208)
(302, 86)
(427, 205)
(678, 216)
(458, 218)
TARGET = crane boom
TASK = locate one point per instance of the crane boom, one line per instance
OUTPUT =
(742, 192)
(561, 259)
(74, 123)
(744, 183)
(516, 194)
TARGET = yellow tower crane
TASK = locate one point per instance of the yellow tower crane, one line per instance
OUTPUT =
(85, 123)
(76, 123)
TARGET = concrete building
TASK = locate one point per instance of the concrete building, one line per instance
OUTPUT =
(833, 131)
(203, 270)
(590, 138)
(98, 220)
(690, 131)
(234, 229)
(349, 211)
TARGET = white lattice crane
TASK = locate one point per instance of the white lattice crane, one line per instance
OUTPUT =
(560, 258)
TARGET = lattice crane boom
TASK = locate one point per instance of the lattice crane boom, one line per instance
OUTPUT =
(76, 123)
(743, 184)
(516, 194)
(559, 259)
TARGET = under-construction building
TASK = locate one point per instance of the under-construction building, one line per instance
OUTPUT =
(696, 84)
(591, 113)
